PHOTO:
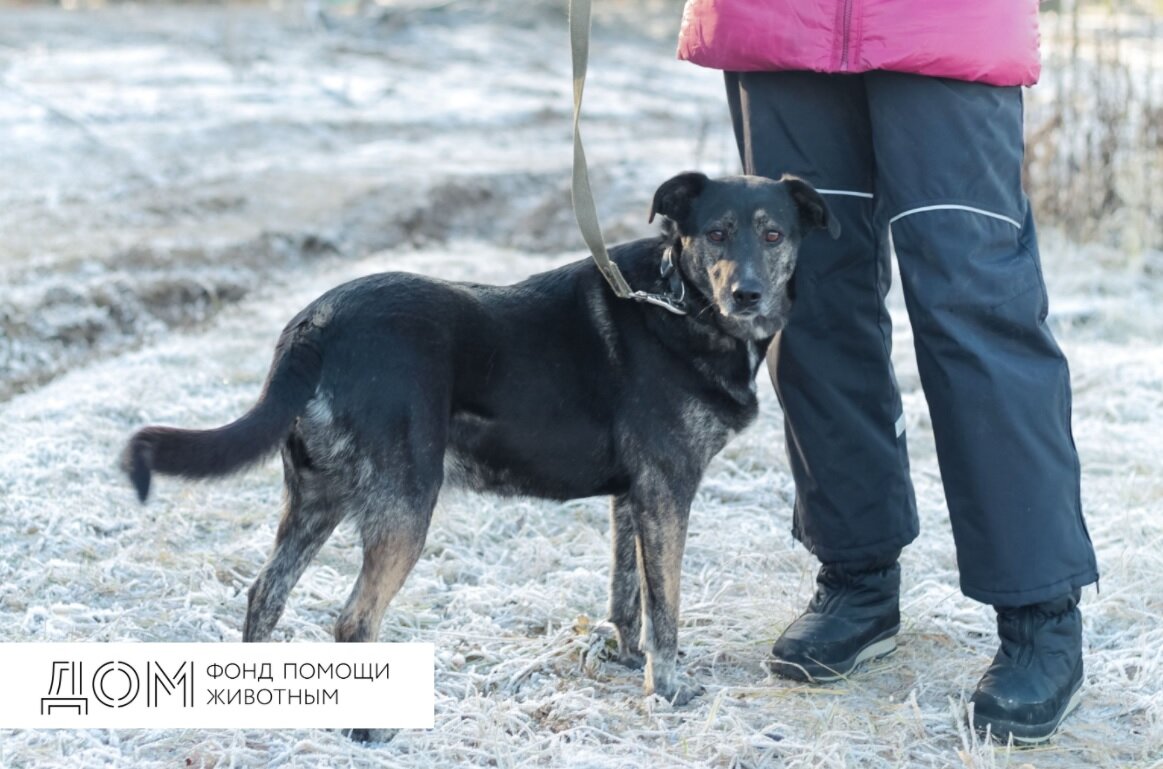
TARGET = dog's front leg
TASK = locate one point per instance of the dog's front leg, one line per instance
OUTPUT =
(625, 602)
(661, 538)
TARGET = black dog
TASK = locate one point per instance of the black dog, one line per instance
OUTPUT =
(388, 386)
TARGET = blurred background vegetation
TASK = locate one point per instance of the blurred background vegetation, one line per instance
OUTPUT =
(1094, 125)
(1094, 166)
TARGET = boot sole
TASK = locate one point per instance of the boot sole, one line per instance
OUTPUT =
(815, 672)
(1031, 734)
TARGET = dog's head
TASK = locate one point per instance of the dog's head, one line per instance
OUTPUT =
(737, 240)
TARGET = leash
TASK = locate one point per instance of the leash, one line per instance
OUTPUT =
(584, 209)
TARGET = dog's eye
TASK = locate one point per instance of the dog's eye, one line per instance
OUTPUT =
(716, 236)
(774, 236)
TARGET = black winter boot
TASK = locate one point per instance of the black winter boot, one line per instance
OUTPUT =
(853, 617)
(1036, 676)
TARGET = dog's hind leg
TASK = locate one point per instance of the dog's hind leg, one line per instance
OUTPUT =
(396, 485)
(392, 544)
(309, 518)
(625, 597)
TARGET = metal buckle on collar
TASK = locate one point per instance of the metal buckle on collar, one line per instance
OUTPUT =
(665, 302)
(671, 303)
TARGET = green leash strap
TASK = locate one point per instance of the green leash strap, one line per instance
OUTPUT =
(583, 197)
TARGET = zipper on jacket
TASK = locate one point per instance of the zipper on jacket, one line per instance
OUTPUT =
(847, 35)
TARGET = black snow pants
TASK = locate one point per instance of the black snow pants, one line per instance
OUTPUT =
(935, 165)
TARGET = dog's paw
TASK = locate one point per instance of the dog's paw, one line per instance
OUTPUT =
(686, 690)
(681, 691)
(371, 735)
(631, 658)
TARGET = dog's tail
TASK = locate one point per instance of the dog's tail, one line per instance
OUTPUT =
(293, 378)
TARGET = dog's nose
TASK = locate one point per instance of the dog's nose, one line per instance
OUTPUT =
(747, 294)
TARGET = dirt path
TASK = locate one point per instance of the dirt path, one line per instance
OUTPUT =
(170, 160)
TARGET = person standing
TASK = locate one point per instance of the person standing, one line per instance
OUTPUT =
(907, 116)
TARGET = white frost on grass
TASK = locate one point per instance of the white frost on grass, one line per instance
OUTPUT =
(509, 590)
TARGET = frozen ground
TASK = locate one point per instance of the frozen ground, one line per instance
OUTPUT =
(180, 181)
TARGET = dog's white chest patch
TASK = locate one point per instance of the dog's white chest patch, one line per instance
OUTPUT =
(754, 359)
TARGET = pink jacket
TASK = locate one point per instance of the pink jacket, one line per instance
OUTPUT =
(991, 41)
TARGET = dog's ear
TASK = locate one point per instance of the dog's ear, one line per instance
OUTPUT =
(673, 198)
(814, 212)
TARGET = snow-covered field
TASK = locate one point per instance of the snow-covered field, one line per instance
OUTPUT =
(178, 182)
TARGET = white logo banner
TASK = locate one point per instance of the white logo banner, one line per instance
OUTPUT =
(218, 686)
